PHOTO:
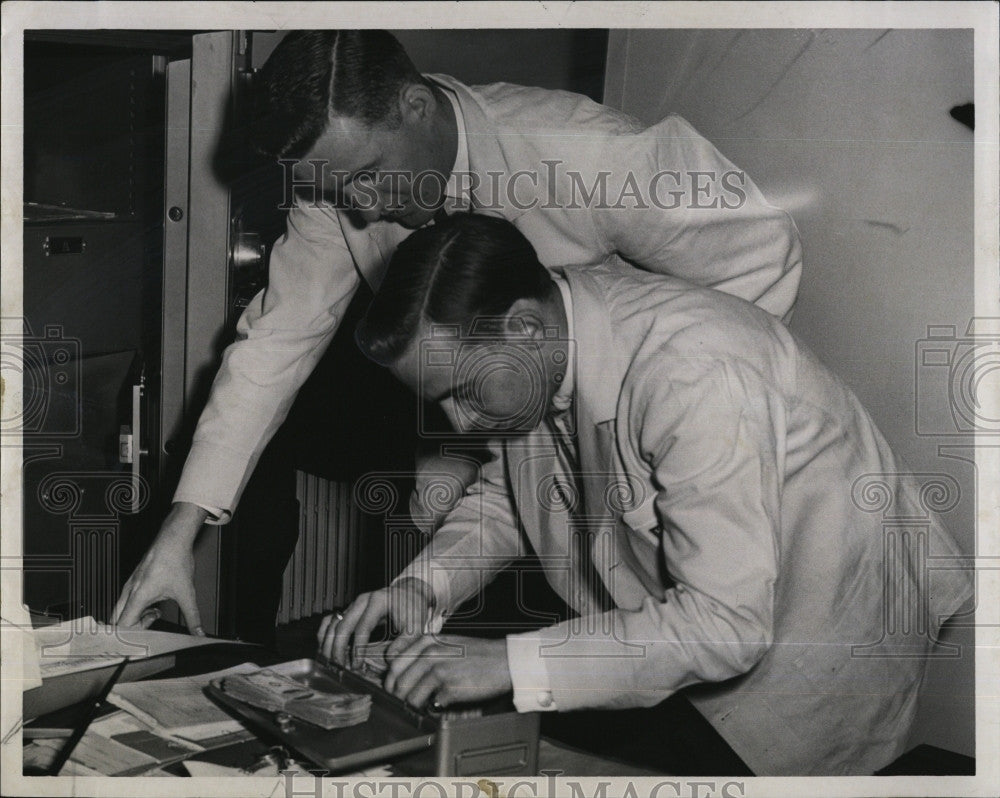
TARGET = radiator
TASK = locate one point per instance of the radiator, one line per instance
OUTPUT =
(322, 571)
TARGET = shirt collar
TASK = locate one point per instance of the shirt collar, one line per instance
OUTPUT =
(564, 395)
(457, 187)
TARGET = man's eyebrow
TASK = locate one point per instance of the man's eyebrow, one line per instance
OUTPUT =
(368, 167)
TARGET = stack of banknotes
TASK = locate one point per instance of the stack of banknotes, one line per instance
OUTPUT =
(276, 692)
(370, 661)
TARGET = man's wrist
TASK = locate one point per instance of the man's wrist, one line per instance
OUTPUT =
(436, 609)
(185, 521)
(423, 590)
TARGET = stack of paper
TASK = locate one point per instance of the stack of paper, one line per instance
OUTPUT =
(84, 644)
(179, 707)
(158, 723)
(75, 659)
(275, 692)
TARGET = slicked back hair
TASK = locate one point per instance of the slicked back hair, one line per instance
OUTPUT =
(463, 268)
(311, 74)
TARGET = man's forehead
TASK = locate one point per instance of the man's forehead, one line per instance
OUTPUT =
(348, 128)
(347, 144)
(425, 370)
(432, 351)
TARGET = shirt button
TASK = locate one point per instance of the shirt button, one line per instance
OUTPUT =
(544, 698)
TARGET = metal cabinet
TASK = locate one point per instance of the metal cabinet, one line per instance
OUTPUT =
(87, 344)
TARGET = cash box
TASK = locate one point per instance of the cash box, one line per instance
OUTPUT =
(493, 743)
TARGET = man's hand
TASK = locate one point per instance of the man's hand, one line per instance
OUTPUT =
(407, 604)
(166, 571)
(450, 670)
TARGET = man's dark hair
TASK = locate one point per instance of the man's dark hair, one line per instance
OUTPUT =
(460, 269)
(354, 73)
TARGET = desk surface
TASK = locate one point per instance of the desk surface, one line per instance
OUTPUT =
(552, 755)
(557, 756)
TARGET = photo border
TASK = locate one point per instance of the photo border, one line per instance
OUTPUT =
(980, 16)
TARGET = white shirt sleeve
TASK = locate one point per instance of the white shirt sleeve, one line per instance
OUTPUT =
(281, 336)
(477, 539)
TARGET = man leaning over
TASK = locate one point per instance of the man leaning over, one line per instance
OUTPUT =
(389, 147)
(686, 472)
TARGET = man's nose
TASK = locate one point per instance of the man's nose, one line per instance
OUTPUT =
(367, 204)
(465, 418)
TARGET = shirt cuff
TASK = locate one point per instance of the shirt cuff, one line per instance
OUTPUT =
(528, 675)
(213, 477)
(216, 515)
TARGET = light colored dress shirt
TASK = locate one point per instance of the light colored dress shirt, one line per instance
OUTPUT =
(456, 200)
(528, 675)
(746, 511)
(314, 269)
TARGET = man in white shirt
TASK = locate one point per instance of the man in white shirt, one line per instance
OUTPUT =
(691, 479)
(379, 149)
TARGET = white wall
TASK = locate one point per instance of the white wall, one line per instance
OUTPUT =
(850, 131)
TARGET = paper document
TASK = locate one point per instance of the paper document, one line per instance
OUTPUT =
(18, 630)
(83, 644)
(94, 755)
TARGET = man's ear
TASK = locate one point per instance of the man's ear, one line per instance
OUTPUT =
(523, 320)
(417, 102)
